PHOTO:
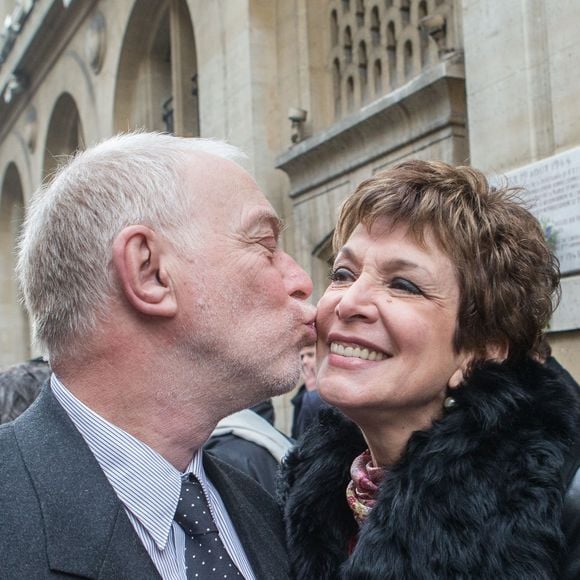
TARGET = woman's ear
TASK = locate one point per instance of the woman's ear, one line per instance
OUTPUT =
(459, 375)
(456, 378)
(139, 261)
(493, 353)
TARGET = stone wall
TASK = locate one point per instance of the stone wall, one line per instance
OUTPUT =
(522, 96)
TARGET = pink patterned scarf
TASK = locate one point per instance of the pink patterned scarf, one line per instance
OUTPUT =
(362, 490)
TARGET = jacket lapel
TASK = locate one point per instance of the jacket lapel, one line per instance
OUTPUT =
(87, 530)
(255, 516)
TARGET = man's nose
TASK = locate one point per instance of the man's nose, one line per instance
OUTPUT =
(298, 282)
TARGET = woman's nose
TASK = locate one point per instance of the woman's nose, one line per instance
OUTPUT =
(357, 301)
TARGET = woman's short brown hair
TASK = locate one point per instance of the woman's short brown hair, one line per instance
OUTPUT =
(507, 275)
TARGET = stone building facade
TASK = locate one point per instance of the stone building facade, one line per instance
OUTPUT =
(320, 94)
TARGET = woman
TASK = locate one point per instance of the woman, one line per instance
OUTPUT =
(454, 448)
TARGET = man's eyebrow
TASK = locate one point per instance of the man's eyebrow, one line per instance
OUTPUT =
(269, 219)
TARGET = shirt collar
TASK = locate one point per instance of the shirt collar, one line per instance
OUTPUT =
(145, 482)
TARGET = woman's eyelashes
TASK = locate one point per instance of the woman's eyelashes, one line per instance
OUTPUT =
(341, 275)
(405, 285)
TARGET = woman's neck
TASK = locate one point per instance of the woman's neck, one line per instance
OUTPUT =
(387, 438)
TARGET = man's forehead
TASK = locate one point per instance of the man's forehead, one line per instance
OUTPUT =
(228, 191)
(209, 171)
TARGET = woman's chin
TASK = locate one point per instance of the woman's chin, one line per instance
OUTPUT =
(342, 396)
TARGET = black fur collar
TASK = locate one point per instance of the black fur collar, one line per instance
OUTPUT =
(478, 495)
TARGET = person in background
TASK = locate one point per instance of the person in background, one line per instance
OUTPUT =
(249, 442)
(306, 401)
(19, 387)
(452, 452)
(151, 270)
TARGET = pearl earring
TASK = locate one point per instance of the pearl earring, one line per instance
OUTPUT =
(449, 403)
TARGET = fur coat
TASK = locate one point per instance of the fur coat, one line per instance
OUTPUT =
(479, 495)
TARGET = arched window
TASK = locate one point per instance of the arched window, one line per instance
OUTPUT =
(333, 28)
(350, 94)
(423, 12)
(360, 12)
(363, 69)
(347, 45)
(157, 83)
(405, 11)
(391, 38)
(322, 265)
(375, 26)
(408, 59)
(337, 83)
(392, 54)
(378, 77)
(14, 327)
(65, 134)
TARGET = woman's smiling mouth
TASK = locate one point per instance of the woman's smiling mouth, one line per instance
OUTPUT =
(356, 352)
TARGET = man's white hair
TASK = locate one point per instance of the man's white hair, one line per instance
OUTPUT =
(65, 249)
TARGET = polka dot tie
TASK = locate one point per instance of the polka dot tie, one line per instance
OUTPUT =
(205, 554)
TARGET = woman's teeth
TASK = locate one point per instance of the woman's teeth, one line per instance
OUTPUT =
(356, 352)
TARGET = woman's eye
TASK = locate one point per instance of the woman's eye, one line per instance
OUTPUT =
(341, 275)
(405, 285)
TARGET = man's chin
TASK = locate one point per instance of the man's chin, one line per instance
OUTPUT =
(285, 384)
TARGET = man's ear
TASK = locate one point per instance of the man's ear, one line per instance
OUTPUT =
(139, 261)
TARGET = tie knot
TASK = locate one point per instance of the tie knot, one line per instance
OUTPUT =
(193, 513)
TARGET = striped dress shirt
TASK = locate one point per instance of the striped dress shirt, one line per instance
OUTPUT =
(149, 488)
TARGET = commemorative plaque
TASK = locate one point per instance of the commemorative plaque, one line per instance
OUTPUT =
(552, 193)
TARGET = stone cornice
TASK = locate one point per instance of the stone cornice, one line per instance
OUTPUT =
(45, 34)
(432, 101)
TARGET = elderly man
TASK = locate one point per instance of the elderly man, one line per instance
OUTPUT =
(153, 276)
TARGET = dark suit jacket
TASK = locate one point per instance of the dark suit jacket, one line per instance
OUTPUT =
(59, 516)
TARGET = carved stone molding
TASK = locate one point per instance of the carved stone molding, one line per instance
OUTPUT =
(432, 103)
(30, 128)
(96, 42)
